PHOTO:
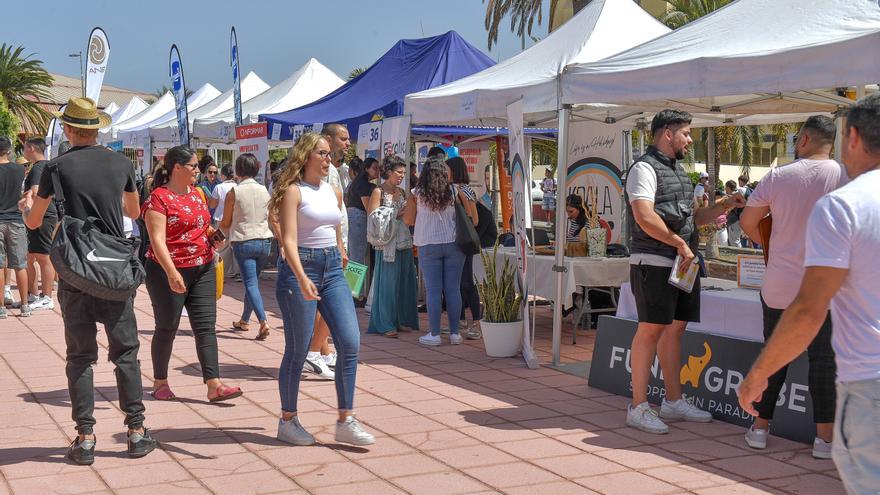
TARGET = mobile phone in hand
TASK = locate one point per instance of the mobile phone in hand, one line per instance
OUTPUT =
(217, 236)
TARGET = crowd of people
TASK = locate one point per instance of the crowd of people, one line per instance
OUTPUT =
(321, 213)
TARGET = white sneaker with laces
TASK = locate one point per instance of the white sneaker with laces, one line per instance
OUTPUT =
(315, 364)
(43, 302)
(292, 431)
(351, 432)
(428, 339)
(455, 338)
(7, 296)
(757, 438)
(26, 311)
(642, 417)
(684, 409)
(821, 449)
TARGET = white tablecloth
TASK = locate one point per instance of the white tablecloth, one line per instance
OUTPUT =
(732, 312)
(581, 272)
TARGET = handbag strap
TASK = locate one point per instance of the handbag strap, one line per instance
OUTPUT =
(58, 195)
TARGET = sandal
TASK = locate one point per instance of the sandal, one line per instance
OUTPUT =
(163, 393)
(241, 327)
(225, 393)
(391, 334)
(264, 332)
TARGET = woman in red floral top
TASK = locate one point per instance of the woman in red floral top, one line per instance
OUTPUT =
(180, 271)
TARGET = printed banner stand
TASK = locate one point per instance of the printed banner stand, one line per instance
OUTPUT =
(178, 88)
(254, 138)
(522, 201)
(98, 56)
(395, 141)
(236, 81)
(369, 140)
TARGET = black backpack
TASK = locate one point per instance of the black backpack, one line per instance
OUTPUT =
(85, 256)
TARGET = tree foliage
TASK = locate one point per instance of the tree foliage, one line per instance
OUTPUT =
(523, 14)
(9, 124)
(23, 84)
(158, 93)
(356, 72)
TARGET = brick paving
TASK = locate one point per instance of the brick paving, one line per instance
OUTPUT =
(448, 420)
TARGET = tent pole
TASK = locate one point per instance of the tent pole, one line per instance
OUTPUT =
(561, 193)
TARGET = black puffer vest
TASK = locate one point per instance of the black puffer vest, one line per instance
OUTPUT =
(673, 202)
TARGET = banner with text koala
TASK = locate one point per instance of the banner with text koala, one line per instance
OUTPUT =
(96, 67)
(369, 141)
(236, 80)
(522, 202)
(594, 153)
(395, 141)
(712, 369)
(254, 138)
(178, 88)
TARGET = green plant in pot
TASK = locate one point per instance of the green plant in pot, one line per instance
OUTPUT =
(502, 307)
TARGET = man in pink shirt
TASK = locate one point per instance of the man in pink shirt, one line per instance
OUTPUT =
(789, 192)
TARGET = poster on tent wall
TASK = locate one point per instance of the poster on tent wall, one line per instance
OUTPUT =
(421, 154)
(296, 131)
(253, 138)
(522, 202)
(178, 87)
(479, 167)
(594, 164)
(369, 141)
(99, 54)
(395, 141)
(236, 80)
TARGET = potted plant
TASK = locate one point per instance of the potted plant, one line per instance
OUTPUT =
(502, 321)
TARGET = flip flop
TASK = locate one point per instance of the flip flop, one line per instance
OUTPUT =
(163, 393)
(225, 393)
(263, 334)
(241, 327)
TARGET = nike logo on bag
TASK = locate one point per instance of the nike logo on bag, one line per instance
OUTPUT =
(91, 257)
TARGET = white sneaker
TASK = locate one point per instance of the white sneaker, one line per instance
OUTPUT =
(315, 364)
(43, 302)
(642, 417)
(351, 432)
(685, 410)
(26, 311)
(455, 338)
(821, 449)
(428, 339)
(330, 359)
(7, 296)
(293, 432)
(757, 438)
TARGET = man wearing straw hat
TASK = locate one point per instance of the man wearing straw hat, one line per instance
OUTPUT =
(96, 182)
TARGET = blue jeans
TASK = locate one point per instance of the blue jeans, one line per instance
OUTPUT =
(324, 268)
(251, 257)
(441, 266)
(856, 449)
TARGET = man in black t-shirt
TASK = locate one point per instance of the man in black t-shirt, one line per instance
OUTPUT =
(13, 245)
(99, 183)
(39, 240)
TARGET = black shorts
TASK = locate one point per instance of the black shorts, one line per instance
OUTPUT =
(40, 238)
(659, 302)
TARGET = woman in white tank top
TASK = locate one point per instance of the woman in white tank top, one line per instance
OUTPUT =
(311, 279)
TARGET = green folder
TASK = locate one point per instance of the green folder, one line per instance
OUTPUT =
(355, 274)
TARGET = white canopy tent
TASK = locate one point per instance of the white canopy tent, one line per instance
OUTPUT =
(166, 131)
(158, 108)
(307, 84)
(750, 57)
(603, 28)
(130, 109)
(141, 132)
(111, 108)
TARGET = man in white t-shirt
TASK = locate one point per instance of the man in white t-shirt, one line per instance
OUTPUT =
(842, 242)
(701, 194)
(663, 222)
(789, 192)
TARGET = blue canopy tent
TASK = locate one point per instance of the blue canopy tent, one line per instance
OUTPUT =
(408, 67)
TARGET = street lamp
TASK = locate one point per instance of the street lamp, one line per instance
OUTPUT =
(82, 77)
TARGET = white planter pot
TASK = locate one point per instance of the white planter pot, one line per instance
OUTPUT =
(502, 339)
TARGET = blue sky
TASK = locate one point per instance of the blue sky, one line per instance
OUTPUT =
(274, 37)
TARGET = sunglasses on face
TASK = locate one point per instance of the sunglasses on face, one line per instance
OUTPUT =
(190, 166)
(211, 172)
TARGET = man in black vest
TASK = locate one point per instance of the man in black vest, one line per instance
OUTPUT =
(663, 220)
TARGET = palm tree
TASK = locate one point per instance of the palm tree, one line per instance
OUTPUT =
(23, 84)
(682, 12)
(356, 72)
(522, 17)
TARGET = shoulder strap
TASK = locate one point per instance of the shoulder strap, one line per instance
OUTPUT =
(59, 192)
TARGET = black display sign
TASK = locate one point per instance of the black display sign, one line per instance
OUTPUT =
(712, 369)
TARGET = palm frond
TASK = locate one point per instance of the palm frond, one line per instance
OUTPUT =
(24, 83)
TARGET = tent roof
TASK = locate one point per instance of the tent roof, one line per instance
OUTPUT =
(603, 28)
(111, 108)
(308, 83)
(409, 66)
(157, 109)
(750, 57)
(133, 107)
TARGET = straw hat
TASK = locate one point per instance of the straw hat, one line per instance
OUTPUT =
(83, 113)
(21, 160)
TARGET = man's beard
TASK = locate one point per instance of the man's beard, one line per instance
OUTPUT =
(680, 154)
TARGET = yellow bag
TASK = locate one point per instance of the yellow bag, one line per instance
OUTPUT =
(218, 272)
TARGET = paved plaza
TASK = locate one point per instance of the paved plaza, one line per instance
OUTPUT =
(448, 420)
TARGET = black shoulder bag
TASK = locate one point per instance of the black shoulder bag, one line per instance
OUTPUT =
(465, 234)
(85, 256)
